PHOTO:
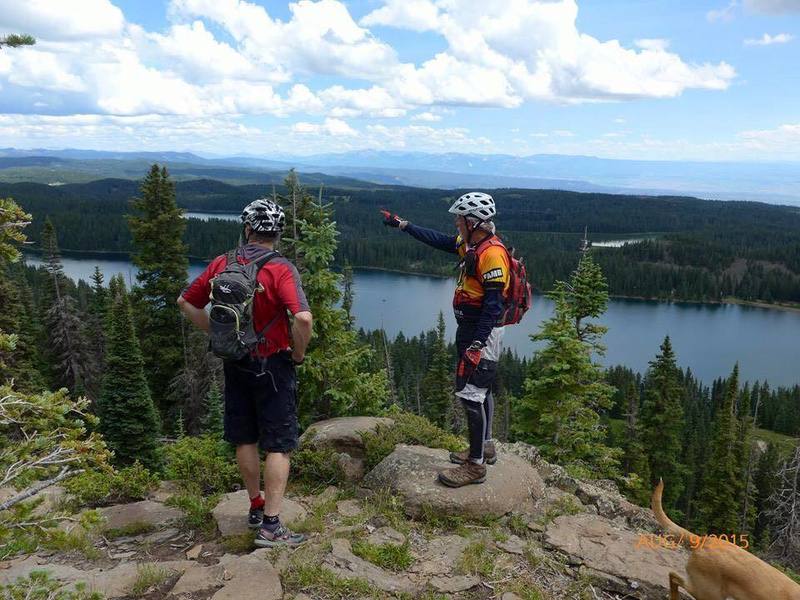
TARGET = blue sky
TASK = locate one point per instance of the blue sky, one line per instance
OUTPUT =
(666, 80)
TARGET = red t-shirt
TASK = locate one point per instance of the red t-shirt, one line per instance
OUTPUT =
(282, 291)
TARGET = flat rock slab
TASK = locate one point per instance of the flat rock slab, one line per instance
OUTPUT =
(453, 585)
(231, 513)
(349, 508)
(342, 434)
(439, 556)
(411, 473)
(146, 511)
(386, 536)
(198, 578)
(111, 583)
(513, 545)
(249, 577)
(344, 563)
(595, 542)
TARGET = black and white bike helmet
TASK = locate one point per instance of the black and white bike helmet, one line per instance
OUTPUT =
(474, 204)
(264, 216)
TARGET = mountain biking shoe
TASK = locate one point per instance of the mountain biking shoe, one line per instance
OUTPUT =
(489, 455)
(462, 475)
(281, 536)
(255, 517)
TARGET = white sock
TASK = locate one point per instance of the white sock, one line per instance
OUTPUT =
(477, 461)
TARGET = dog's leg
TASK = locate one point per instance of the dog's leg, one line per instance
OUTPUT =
(675, 581)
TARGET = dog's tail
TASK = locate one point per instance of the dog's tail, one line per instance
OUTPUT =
(679, 533)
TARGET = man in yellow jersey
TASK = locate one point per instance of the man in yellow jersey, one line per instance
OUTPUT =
(478, 303)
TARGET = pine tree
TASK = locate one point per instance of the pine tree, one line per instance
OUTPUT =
(587, 296)
(15, 40)
(743, 455)
(19, 363)
(335, 379)
(70, 359)
(634, 462)
(161, 256)
(128, 420)
(563, 394)
(720, 500)
(347, 294)
(213, 419)
(662, 424)
(437, 385)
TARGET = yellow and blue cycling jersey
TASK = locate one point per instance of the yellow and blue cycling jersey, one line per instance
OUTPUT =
(492, 272)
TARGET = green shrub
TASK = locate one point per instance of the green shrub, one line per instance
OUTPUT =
(148, 576)
(408, 428)
(197, 510)
(315, 469)
(39, 585)
(202, 463)
(96, 488)
(388, 556)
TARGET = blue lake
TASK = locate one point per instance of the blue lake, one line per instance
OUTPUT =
(708, 338)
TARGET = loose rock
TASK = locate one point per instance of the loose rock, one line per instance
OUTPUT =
(386, 536)
(348, 508)
(249, 577)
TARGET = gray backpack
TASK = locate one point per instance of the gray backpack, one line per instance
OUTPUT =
(232, 331)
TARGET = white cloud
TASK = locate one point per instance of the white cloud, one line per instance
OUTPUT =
(426, 116)
(768, 40)
(417, 15)
(775, 7)
(60, 20)
(655, 44)
(783, 141)
(331, 127)
(724, 14)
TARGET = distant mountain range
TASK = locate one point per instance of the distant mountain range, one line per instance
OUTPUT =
(773, 182)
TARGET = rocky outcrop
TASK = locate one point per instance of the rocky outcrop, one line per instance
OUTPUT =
(146, 512)
(619, 557)
(231, 513)
(249, 577)
(411, 473)
(343, 436)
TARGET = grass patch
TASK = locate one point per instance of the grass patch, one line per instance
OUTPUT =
(39, 585)
(388, 556)
(565, 505)
(386, 506)
(317, 580)
(517, 525)
(315, 522)
(408, 428)
(137, 528)
(477, 559)
(239, 544)
(148, 576)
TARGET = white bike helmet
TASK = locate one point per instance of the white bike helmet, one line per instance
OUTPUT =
(474, 204)
(264, 216)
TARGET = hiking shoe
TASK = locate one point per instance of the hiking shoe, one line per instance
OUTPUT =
(255, 517)
(465, 474)
(489, 455)
(282, 536)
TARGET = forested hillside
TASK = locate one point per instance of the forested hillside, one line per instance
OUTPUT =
(694, 249)
(598, 423)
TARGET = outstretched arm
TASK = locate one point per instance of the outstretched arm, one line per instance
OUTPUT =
(435, 239)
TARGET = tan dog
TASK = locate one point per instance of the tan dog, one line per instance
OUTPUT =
(722, 570)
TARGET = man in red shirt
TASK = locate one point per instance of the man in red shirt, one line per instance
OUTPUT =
(261, 389)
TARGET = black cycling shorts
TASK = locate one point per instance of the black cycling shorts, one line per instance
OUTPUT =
(261, 402)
